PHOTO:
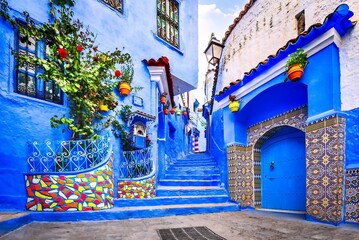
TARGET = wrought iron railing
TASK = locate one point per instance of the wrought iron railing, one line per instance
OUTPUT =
(135, 164)
(67, 156)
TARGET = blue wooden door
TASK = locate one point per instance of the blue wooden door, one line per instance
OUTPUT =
(283, 171)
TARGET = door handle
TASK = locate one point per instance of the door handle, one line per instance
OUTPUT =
(271, 166)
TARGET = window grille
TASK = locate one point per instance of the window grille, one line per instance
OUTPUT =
(27, 80)
(167, 21)
(116, 4)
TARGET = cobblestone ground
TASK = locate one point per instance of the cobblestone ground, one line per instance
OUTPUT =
(232, 226)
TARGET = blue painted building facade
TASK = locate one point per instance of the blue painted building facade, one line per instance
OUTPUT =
(26, 119)
(290, 147)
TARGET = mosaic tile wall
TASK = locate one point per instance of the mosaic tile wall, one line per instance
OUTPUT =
(137, 189)
(245, 161)
(80, 192)
(325, 145)
(352, 196)
(240, 173)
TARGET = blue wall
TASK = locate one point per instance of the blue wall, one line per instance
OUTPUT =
(24, 119)
(318, 88)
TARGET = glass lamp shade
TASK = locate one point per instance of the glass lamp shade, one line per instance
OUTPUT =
(213, 51)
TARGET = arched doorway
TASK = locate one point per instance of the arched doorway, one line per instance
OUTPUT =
(283, 169)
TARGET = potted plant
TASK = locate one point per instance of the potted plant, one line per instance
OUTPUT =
(126, 79)
(178, 112)
(165, 109)
(295, 65)
(234, 104)
(173, 110)
(163, 98)
(184, 113)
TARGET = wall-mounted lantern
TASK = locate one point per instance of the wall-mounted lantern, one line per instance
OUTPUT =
(214, 50)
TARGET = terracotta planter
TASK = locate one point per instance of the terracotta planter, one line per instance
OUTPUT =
(234, 106)
(124, 88)
(172, 110)
(295, 72)
(166, 111)
(163, 100)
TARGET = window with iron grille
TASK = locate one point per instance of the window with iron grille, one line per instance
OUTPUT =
(27, 80)
(116, 4)
(167, 21)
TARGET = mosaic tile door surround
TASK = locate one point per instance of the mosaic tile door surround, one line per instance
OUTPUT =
(245, 161)
(352, 196)
(325, 155)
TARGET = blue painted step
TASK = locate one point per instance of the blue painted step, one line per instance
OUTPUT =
(162, 191)
(135, 212)
(169, 182)
(181, 176)
(195, 164)
(193, 172)
(171, 200)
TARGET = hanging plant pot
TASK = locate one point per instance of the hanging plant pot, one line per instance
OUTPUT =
(178, 112)
(163, 99)
(172, 110)
(166, 111)
(124, 88)
(234, 106)
(103, 107)
(184, 113)
(295, 72)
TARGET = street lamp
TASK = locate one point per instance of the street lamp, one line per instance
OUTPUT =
(214, 50)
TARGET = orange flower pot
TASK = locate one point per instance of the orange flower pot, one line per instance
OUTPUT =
(172, 110)
(124, 88)
(163, 100)
(166, 111)
(295, 72)
(184, 113)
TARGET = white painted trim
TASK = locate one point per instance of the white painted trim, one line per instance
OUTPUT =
(158, 74)
(327, 38)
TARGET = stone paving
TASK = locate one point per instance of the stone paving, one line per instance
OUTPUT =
(231, 225)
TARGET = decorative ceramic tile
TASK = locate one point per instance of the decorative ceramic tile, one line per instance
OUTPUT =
(137, 189)
(245, 161)
(352, 196)
(80, 192)
(325, 144)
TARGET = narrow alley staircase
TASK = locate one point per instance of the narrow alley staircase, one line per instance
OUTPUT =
(190, 186)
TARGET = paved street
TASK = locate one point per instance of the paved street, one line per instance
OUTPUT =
(232, 226)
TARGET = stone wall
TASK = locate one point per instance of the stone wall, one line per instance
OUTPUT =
(269, 25)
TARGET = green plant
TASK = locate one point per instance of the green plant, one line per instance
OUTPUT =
(73, 61)
(298, 57)
(127, 73)
(121, 130)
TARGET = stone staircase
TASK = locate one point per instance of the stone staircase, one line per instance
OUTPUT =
(190, 186)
